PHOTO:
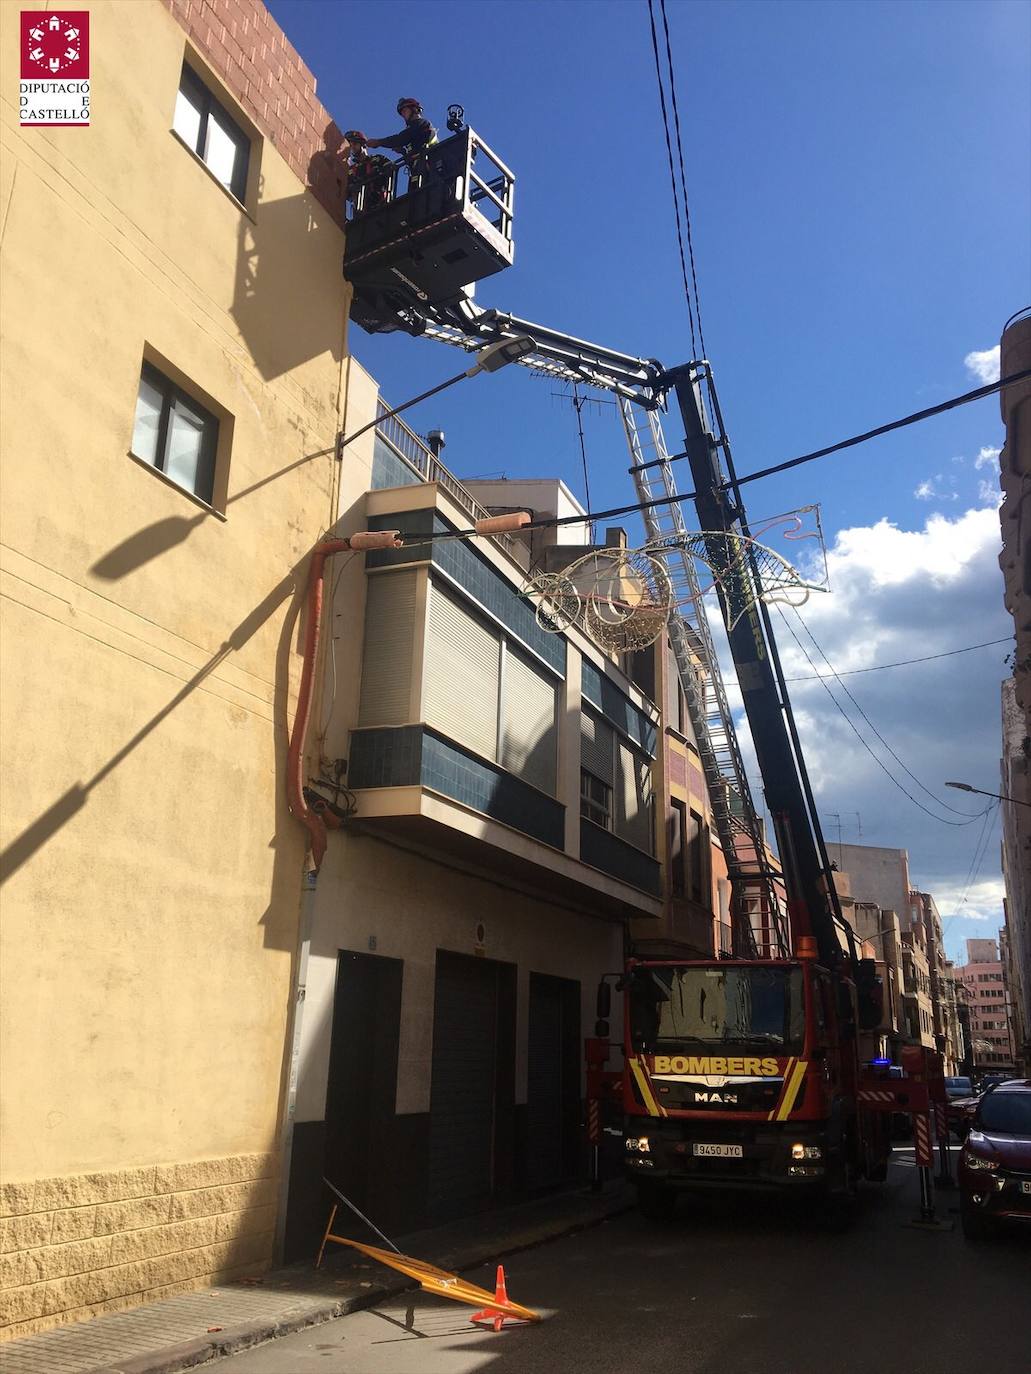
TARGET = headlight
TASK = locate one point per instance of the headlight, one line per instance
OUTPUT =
(976, 1162)
(806, 1152)
(639, 1143)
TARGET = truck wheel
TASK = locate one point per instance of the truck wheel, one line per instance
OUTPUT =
(656, 1202)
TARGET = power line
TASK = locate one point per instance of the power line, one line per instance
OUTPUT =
(553, 522)
(851, 724)
(938, 802)
(978, 394)
(683, 179)
(672, 174)
(980, 850)
(904, 662)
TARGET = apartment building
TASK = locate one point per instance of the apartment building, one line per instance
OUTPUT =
(984, 977)
(924, 913)
(879, 878)
(1015, 779)
(511, 788)
(169, 416)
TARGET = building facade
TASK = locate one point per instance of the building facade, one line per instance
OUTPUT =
(169, 416)
(508, 788)
(1015, 779)
(984, 977)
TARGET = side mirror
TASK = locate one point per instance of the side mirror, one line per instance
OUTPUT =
(604, 1004)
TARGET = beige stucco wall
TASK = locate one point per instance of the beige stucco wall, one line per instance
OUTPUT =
(150, 644)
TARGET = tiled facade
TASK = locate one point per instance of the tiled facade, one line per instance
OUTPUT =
(76, 1247)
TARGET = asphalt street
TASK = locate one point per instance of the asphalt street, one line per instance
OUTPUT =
(725, 1285)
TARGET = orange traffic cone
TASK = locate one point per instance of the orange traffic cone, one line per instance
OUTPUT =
(496, 1315)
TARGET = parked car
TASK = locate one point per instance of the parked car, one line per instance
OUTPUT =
(959, 1087)
(995, 1162)
(991, 1080)
(960, 1113)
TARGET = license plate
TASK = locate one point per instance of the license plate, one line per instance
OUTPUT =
(720, 1151)
(1025, 1186)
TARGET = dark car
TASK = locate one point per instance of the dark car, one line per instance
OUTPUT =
(995, 1162)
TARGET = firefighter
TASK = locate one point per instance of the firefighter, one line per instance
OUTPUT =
(413, 140)
(372, 173)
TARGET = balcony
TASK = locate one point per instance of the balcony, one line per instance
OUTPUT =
(466, 739)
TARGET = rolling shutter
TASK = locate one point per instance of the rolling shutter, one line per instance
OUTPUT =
(528, 734)
(596, 747)
(463, 665)
(386, 689)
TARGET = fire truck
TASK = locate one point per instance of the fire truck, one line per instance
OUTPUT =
(756, 1070)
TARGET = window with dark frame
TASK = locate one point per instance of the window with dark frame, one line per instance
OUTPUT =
(208, 130)
(595, 800)
(175, 434)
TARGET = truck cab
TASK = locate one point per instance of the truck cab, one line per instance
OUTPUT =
(740, 1074)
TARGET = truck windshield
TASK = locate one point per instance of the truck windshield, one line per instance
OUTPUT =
(755, 1008)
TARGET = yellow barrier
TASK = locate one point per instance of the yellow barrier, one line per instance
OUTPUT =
(495, 1306)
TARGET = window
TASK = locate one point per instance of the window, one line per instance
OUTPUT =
(207, 130)
(595, 800)
(482, 692)
(174, 434)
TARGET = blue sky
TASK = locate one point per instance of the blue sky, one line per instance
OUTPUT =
(861, 205)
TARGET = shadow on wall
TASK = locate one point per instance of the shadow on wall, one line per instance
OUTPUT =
(289, 260)
(279, 918)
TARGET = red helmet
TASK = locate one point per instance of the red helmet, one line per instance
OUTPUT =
(407, 100)
(355, 136)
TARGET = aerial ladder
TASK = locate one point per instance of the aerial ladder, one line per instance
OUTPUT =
(753, 1072)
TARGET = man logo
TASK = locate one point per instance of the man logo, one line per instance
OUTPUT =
(724, 1099)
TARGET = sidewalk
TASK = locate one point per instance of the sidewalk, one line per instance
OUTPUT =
(183, 1332)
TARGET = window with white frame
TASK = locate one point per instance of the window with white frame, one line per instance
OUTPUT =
(208, 130)
(175, 434)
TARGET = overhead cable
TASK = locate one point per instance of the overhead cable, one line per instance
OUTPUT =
(937, 801)
(880, 764)
(672, 174)
(903, 662)
(553, 522)
(683, 181)
(991, 815)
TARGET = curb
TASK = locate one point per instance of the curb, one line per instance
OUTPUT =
(190, 1354)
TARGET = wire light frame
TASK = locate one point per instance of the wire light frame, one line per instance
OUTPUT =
(624, 597)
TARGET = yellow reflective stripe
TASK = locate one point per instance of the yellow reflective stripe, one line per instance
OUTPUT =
(791, 1091)
(783, 1089)
(641, 1078)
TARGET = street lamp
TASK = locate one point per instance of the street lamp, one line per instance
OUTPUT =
(999, 796)
(489, 359)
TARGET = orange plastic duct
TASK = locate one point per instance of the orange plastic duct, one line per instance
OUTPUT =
(502, 524)
(313, 822)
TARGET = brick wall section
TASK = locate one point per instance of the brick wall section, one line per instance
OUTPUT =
(75, 1247)
(249, 52)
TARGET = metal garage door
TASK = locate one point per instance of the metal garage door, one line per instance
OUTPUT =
(553, 1080)
(464, 1085)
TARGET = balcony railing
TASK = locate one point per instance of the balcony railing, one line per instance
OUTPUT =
(428, 466)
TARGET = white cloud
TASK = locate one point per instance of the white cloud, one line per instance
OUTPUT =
(900, 594)
(989, 494)
(988, 458)
(930, 490)
(984, 365)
